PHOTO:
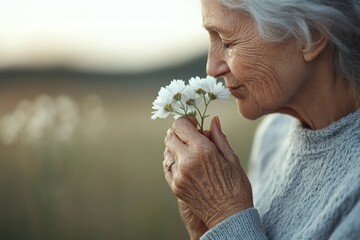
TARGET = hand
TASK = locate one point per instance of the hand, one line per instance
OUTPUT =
(207, 174)
(194, 225)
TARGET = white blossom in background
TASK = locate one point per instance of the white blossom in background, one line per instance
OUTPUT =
(68, 118)
(13, 124)
(94, 119)
(57, 119)
(10, 130)
(40, 119)
(180, 99)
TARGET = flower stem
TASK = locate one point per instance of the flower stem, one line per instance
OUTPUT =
(203, 115)
(202, 123)
(183, 107)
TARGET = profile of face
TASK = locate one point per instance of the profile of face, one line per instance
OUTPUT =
(263, 76)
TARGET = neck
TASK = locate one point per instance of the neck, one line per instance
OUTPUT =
(326, 98)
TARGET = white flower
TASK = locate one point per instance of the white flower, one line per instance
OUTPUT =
(210, 87)
(191, 99)
(176, 88)
(216, 90)
(170, 100)
(198, 84)
(162, 104)
(180, 99)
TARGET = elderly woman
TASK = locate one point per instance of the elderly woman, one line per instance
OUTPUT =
(297, 61)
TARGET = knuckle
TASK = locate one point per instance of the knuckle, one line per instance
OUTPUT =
(208, 151)
(167, 153)
(185, 168)
(178, 185)
(191, 169)
(168, 136)
(164, 164)
(204, 150)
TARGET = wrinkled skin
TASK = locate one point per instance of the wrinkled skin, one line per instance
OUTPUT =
(275, 77)
(207, 177)
(264, 77)
(194, 225)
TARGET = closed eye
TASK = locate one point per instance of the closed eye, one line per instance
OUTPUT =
(226, 45)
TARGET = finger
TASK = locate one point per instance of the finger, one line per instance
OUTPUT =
(193, 120)
(168, 159)
(221, 142)
(174, 144)
(185, 130)
(207, 134)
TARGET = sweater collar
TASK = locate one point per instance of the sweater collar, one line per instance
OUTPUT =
(323, 139)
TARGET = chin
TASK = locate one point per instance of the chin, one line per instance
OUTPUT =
(251, 112)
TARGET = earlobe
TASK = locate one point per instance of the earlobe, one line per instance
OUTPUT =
(318, 45)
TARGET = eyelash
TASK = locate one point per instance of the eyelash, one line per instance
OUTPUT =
(215, 34)
(226, 45)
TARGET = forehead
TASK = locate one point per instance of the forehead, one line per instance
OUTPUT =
(212, 10)
(217, 17)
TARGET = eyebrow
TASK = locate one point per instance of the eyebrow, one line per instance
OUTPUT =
(211, 28)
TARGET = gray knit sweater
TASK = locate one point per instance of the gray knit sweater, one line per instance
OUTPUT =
(306, 184)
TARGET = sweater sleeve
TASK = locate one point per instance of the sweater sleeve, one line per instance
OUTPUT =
(242, 225)
(349, 228)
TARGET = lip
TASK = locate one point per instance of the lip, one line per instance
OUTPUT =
(234, 89)
(237, 91)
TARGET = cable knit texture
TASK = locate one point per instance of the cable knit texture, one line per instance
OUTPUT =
(306, 183)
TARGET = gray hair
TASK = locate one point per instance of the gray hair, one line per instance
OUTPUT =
(339, 20)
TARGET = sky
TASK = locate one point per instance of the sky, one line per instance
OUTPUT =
(104, 35)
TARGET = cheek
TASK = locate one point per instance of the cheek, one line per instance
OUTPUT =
(264, 91)
(261, 79)
(270, 74)
(265, 83)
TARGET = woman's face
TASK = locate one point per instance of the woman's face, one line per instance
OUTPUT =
(264, 77)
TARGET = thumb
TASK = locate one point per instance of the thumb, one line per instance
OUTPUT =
(221, 142)
(193, 120)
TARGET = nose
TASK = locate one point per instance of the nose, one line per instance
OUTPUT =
(216, 63)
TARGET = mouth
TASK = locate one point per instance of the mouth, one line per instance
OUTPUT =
(239, 92)
(235, 89)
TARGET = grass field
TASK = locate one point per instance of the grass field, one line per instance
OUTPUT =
(108, 186)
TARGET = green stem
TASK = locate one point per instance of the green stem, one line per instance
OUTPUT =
(203, 116)
(183, 107)
(173, 111)
(198, 110)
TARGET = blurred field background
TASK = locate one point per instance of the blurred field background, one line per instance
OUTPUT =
(79, 156)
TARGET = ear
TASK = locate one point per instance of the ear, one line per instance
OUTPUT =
(318, 44)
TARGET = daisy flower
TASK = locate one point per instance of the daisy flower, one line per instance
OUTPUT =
(163, 104)
(192, 100)
(198, 84)
(180, 99)
(216, 90)
(176, 88)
